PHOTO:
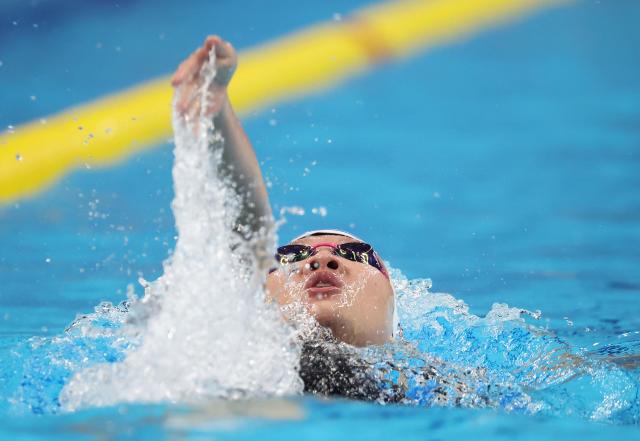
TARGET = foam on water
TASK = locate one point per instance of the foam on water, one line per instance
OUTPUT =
(204, 329)
(448, 356)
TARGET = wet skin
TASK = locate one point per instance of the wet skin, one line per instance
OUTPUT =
(353, 299)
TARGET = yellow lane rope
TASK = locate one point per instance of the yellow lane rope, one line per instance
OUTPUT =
(109, 129)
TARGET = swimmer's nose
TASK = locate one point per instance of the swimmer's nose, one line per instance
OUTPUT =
(323, 260)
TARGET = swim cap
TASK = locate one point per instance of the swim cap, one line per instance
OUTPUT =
(344, 233)
(329, 232)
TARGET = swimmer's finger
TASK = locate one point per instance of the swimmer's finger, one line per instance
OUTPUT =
(225, 53)
(201, 56)
(188, 97)
(187, 69)
(226, 63)
(189, 106)
(224, 50)
(226, 57)
(178, 76)
(187, 91)
(190, 68)
(182, 100)
(210, 41)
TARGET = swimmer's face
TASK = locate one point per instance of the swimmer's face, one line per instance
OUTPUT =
(353, 299)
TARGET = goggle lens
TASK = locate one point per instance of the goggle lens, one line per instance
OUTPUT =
(293, 253)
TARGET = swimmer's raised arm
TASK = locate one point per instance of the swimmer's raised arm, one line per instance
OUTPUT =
(239, 158)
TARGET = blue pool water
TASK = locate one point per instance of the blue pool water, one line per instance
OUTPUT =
(503, 167)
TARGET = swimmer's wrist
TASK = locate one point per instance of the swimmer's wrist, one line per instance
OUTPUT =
(225, 112)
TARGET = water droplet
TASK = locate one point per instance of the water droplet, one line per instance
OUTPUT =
(18, 157)
(33, 98)
(329, 141)
(273, 122)
(337, 16)
(320, 211)
(43, 120)
(15, 23)
(48, 260)
(35, 25)
(80, 128)
(294, 210)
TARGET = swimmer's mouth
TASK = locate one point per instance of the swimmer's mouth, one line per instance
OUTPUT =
(323, 284)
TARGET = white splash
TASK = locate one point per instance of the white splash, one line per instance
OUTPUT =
(204, 327)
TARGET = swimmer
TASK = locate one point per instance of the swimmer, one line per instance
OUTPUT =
(338, 280)
(335, 277)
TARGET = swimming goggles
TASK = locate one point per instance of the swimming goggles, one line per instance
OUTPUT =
(353, 251)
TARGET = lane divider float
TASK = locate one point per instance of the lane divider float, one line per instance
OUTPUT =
(108, 130)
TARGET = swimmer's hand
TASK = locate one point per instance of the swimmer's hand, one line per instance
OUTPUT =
(238, 157)
(188, 78)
